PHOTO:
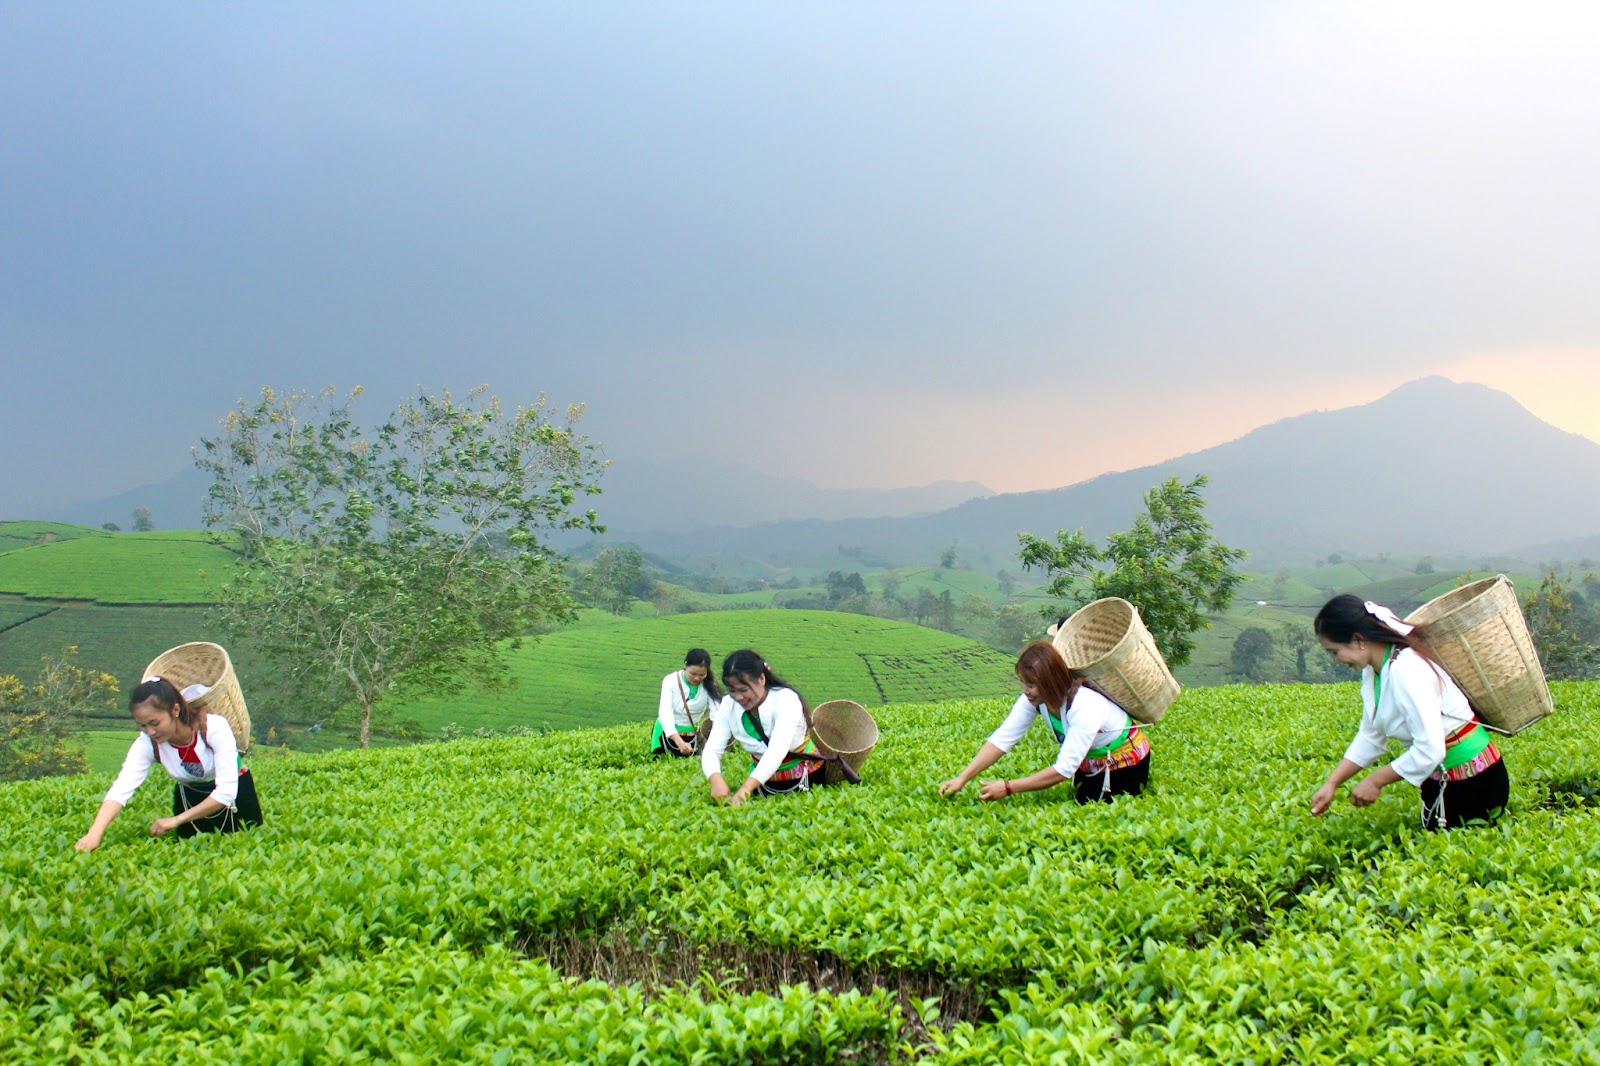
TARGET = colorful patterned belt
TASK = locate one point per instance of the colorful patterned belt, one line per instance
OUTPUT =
(1134, 747)
(1467, 751)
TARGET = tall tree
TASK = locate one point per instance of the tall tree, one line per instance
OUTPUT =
(617, 578)
(142, 522)
(1168, 565)
(369, 560)
(1252, 653)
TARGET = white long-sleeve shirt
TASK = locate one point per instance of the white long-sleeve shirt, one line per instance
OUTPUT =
(782, 716)
(1092, 721)
(218, 753)
(674, 713)
(1418, 706)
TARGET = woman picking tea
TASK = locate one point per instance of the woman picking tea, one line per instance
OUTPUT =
(767, 717)
(212, 794)
(1406, 695)
(687, 697)
(1103, 752)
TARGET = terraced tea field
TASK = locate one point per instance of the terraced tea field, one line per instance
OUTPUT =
(164, 568)
(612, 674)
(539, 899)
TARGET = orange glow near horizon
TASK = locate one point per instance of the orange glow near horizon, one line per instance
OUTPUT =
(1049, 439)
(1561, 388)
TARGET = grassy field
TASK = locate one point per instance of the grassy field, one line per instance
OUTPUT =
(608, 674)
(117, 640)
(167, 567)
(25, 534)
(566, 899)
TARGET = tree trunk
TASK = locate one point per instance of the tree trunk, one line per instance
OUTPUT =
(366, 724)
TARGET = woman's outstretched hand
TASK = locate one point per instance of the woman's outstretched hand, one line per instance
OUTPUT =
(952, 786)
(994, 790)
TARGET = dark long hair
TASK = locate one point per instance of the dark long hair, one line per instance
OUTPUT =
(1346, 617)
(749, 665)
(701, 657)
(163, 695)
(1042, 666)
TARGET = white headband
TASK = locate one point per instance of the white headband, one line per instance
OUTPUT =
(1388, 618)
(152, 677)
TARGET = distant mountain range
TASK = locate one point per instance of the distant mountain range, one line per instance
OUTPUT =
(639, 495)
(1434, 467)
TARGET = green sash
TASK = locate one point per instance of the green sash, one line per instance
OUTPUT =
(1466, 749)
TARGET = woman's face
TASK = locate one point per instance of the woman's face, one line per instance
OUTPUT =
(159, 725)
(694, 674)
(1355, 655)
(1030, 688)
(748, 691)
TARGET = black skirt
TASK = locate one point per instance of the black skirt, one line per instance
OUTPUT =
(246, 808)
(1128, 781)
(1480, 799)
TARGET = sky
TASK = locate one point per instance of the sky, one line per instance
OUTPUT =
(866, 244)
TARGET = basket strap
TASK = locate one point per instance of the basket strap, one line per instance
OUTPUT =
(684, 693)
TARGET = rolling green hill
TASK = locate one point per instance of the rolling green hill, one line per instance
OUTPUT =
(169, 567)
(26, 534)
(611, 674)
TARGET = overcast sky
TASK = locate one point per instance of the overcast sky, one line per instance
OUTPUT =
(868, 244)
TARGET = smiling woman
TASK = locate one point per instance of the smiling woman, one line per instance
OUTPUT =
(197, 750)
(1406, 695)
(769, 719)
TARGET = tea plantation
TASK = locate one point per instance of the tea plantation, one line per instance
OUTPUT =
(462, 901)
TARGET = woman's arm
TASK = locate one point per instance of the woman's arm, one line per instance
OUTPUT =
(109, 808)
(1322, 799)
(788, 733)
(1046, 778)
(711, 754)
(135, 768)
(987, 756)
(1002, 740)
(208, 806)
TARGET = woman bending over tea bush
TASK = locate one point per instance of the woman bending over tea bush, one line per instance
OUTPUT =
(1407, 696)
(768, 718)
(213, 793)
(1104, 753)
(687, 697)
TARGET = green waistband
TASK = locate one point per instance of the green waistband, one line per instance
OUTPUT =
(1466, 749)
(790, 764)
(1101, 753)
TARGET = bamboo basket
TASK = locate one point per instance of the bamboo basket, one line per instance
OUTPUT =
(846, 729)
(1107, 644)
(1480, 635)
(203, 663)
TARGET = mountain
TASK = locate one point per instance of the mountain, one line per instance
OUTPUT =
(1434, 467)
(645, 495)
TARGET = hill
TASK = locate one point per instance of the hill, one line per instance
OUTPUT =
(169, 568)
(27, 534)
(1476, 475)
(541, 899)
(612, 674)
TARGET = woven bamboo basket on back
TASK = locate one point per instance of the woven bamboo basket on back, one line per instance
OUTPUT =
(846, 729)
(1107, 644)
(203, 663)
(1480, 635)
